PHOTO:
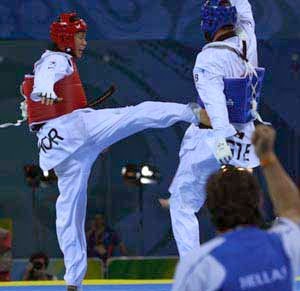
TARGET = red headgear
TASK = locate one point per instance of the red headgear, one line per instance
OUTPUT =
(63, 30)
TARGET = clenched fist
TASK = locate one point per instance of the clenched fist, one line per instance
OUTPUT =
(263, 139)
(49, 98)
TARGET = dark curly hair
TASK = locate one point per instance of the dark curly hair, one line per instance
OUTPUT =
(39, 255)
(233, 198)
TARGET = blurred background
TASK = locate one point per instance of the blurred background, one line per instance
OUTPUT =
(147, 48)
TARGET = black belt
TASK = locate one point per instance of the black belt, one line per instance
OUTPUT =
(203, 126)
(37, 127)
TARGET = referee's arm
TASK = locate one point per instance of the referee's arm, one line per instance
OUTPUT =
(283, 191)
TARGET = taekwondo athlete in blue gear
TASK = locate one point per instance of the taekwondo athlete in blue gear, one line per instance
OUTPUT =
(228, 82)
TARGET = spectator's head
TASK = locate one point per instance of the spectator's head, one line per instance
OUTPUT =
(99, 220)
(233, 198)
(40, 261)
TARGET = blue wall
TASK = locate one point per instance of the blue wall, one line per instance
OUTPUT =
(138, 19)
(158, 68)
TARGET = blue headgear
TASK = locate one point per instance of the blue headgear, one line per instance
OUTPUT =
(216, 14)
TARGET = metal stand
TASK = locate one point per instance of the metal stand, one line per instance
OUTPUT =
(36, 230)
(141, 219)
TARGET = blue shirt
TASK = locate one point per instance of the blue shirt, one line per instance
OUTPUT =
(244, 259)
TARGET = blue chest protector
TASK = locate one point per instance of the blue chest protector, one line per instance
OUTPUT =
(242, 94)
(254, 260)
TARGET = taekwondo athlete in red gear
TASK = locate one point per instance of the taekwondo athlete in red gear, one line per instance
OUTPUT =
(228, 83)
(71, 136)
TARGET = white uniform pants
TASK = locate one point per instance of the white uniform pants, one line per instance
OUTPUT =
(196, 164)
(76, 140)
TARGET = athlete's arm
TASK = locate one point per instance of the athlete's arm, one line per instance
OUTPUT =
(245, 15)
(283, 191)
(204, 118)
(208, 76)
(47, 72)
(209, 83)
(246, 28)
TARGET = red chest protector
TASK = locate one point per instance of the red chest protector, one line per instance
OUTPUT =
(69, 88)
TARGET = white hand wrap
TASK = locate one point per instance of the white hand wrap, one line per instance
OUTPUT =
(222, 151)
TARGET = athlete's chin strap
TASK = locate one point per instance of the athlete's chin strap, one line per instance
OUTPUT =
(23, 108)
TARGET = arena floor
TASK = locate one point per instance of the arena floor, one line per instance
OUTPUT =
(98, 285)
(91, 285)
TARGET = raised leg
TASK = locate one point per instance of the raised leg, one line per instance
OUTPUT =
(108, 126)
